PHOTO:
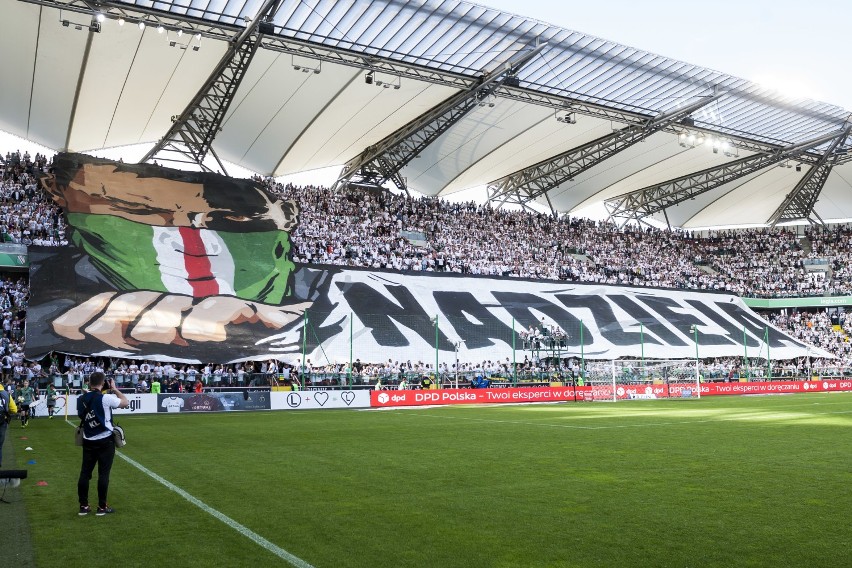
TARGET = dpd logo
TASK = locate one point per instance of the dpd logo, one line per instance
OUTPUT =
(383, 398)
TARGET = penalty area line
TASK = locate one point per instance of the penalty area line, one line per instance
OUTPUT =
(242, 529)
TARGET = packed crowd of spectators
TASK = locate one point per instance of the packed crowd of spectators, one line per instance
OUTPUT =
(829, 331)
(141, 374)
(27, 215)
(357, 227)
(374, 229)
(832, 247)
(14, 299)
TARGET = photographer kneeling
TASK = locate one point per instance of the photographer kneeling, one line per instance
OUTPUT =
(95, 412)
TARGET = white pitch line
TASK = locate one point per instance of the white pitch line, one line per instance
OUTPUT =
(242, 529)
(613, 427)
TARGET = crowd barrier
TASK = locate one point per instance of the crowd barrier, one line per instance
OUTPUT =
(254, 400)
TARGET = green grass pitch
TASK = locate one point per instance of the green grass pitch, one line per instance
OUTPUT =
(721, 481)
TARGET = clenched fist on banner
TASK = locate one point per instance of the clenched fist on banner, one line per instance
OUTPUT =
(126, 320)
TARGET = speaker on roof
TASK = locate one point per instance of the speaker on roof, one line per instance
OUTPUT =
(266, 28)
(512, 81)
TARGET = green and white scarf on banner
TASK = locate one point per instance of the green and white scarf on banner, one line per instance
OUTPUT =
(184, 260)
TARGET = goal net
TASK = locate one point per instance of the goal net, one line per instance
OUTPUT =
(627, 379)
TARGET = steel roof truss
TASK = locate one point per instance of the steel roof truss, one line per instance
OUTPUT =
(799, 203)
(636, 205)
(538, 179)
(382, 162)
(193, 131)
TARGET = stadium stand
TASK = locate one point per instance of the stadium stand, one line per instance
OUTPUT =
(365, 228)
(357, 228)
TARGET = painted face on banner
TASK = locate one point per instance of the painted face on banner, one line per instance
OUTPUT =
(115, 189)
(164, 230)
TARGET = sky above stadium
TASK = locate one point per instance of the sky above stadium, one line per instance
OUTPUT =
(796, 48)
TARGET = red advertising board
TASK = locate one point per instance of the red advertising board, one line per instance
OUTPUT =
(771, 387)
(391, 398)
(470, 396)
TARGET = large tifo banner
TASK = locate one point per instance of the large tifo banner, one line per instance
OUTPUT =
(196, 267)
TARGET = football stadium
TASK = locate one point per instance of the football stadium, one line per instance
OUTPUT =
(420, 283)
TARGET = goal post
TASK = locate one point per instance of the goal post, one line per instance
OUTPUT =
(629, 379)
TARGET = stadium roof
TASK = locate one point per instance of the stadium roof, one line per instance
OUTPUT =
(304, 102)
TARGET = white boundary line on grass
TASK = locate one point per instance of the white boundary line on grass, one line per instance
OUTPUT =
(720, 418)
(242, 529)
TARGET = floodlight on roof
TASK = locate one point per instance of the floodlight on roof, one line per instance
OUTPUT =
(180, 33)
(120, 21)
(160, 29)
(688, 139)
(100, 17)
(299, 66)
(141, 24)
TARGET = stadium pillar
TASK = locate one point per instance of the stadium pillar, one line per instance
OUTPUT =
(582, 354)
(642, 347)
(436, 348)
(304, 347)
(456, 368)
(349, 377)
(694, 330)
(768, 357)
(613, 381)
(514, 358)
(745, 352)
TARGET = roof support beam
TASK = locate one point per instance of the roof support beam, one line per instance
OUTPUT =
(647, 201)
(538, 179)
(521, 198)
(191, 136)
(799, 203)
(382, 162)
